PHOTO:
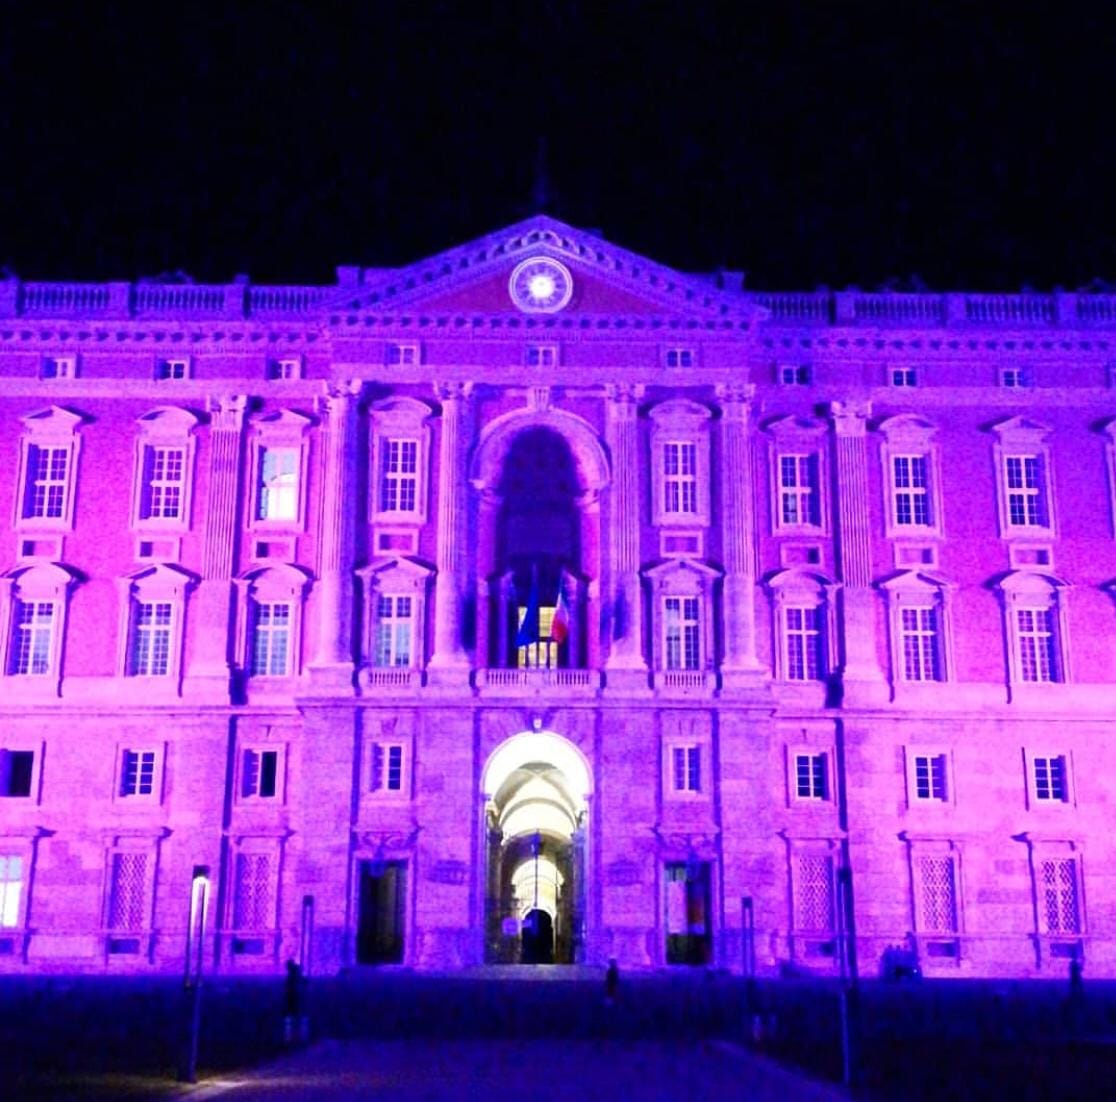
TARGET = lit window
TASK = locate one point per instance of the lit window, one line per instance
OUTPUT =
(271, 638)
(679, 357)
(137, 772)
(399, 476)
(811, 780)
(679, 477)
(904, 376)
(394, 627)
(541, 653)
(58, 367)
(682, 633)
(686, 768)
(798, 490)
(387, 767)
(802, 640)
(259, 774)
(33, 648)
(278, 484)
(1050, 779)
(930, 777)
(172, 369)
(919, 644)
(402, 354)
(910, 490)
(17, 768)
(1059, 906)
(1036, 644)
(794, 374)
(152, 623)
(11, 889)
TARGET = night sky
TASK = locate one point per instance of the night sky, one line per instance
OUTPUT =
(947, 144)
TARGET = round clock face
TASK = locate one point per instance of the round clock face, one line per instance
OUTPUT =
(540, 285)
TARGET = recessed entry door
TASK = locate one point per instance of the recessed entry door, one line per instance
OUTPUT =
(383, 893)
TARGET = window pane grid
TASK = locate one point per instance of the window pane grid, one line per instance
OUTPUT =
(930, 776)
(1026, 498)
(271, 638)
(810, 776)
(11, 889)
(151, 639)
(1035, 633)
(32, 637)
(278, 489)
(798, 489)
(682, 633)
(686, 761)
(1050, 779)
(126, 899)
(1059, 903)
(910, 488)
(399, 477)
(137, 777)
(679, 477)
(165, 478)
(919, 637)
(938, 884)
(392, 644)
(47, 478)
(803, 643)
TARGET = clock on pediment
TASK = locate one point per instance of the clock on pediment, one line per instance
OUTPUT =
(540, 285)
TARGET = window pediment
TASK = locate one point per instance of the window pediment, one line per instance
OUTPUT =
(789, 584)
(43, 579)
(793, 429)
(162, 580)
(167, 423)
(682, 575)
(1021, 431)
(1031, 583)
(907, 429)
(397, 575)
(401, 412)
(282, 579)
(283, 426)
(915, 583)
(680, 413)
(54, 422)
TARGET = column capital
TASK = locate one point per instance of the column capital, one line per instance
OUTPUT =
(736, 400)
(227, 411)
(850, 417)
(624, 394)
(453, 391)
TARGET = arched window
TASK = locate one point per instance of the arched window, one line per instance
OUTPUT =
(270, 622)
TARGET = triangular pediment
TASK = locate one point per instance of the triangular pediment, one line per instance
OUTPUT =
(606, 280)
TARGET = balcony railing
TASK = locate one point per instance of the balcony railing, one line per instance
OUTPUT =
(540, 679)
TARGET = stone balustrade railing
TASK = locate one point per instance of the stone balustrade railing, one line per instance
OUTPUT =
(864, 309)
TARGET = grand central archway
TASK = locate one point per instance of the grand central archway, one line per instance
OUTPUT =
(536, 804)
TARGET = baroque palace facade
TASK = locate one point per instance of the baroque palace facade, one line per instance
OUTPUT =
(538, 602)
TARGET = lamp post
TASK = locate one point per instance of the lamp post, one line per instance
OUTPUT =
(195, 965)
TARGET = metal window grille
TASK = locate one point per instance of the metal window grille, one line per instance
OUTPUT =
(399, 476)
(813, 893)
(798, 489)
(164, 475)
(938, 893)
(1026, 496)
(682, 633)
(393, 631)
(32, 637)
(802, 628)
(910, 486)
(278, 488)
(930, 776)
(679, 477)
(271, 638)
(253, 891)
(11, 889)
(1035, 633)
(129, 890)
(151, 638)
(1059, 904)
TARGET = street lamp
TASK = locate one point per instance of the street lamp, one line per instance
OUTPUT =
(195, 964)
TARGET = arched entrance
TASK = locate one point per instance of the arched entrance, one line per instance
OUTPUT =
(536, 803)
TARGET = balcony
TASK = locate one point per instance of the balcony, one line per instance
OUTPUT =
(377, 680)
(538, 682)
(685, 682)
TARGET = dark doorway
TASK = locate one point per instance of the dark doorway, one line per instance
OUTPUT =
(688, 935)
(538, 938)
(381, 921)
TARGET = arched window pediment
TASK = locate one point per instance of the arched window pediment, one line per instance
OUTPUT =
(43, 579)
(53, 421)
(167, 422)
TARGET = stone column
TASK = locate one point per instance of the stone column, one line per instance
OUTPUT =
(854, 547)
(626, 663)
(449, 649)
(739, 535)
(332, 665)
(211, 611)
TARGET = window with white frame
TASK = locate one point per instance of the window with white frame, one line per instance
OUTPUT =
(1049, 779)
(793, 374)
(17, 773)
(542, 355)
(680, 463)
(813, 892)
(394, 630)
(399, 355)
(919, 643)
(49, 451)
(172, 369)
(284, 369)
(1033, 605)
(271, 638)
(802, 640)
(401, 456)
(685, 768)
(279, 450)
(679, 357)
(799, 490)
(903, 376)
(394, 606)
(128, 891)
(682, 598)
(36, 600)
(1034, 629)
(278, 488)
(58, 367)
(12, 889)
(910, 487)
(681, 633)
(388, 767)
(811, 775)
(260, 772)
(1023, 485)
(153, 605)
(139, 773)
(164, 465)
(1015, 378)
(152, 629)
(801, 621)
(33, 643)
(1057, 888)
(918, 607)
(909, 457)
(929, 780)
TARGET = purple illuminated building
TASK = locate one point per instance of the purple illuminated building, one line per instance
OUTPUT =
(537, 601)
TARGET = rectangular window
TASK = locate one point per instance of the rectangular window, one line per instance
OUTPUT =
(48, 471)
(1058, 902)
(930, 777)
(1050, 779)
(682, 633)
(1015, 378)
(172, 369)
(151, 638)
(794, 374)
(910, 489)
(1026, 491)
(679, 357)
(137, 772)
(798, 490)
(271, 638)
(393, 631)
(813, 893)
(278, 484)
(686, 768)
(16, 773)
(811, 780)
(259, 774)
(399, 476)
(679, 477)
(542, 355)
(1035, 636)
(252, 892)
(802, 629)
(282, 370)
(58, 367)
(32, 637)
(387, 767)
(543, 653)
(938, 893)
(919, 644)
(11, 889)
(402, 354)
(904, 376)
(127, 892)
(164, 475)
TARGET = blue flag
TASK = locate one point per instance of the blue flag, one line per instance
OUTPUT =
(529, 628)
